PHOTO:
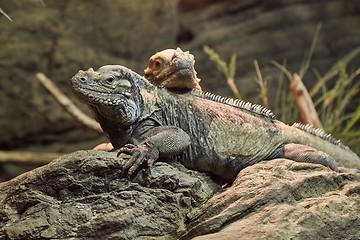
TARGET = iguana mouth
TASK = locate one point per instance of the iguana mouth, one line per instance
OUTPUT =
(165, 75)
(100, 98)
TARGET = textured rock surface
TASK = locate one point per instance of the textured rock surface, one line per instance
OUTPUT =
(283, 200)
(84, 196)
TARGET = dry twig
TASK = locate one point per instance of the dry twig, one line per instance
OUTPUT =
(67, 104)
(5, 15)
(227, 69)
(304, 103)
(231, 83)
(28, 157)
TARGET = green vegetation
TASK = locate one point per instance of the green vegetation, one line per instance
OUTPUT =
(228, 69)
(333, 105)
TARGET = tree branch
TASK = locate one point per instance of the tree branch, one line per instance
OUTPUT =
(67, 104)
(304, 103)
(27, 157)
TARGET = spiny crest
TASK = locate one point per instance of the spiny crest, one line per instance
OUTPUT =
(252, 108)
(320, 133)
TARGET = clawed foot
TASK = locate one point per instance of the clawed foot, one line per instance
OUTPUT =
(139, 154)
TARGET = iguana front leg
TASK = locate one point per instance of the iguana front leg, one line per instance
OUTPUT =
(161, 141)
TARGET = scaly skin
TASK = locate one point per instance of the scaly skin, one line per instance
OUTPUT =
(171, 69)
(174, 70)
(205, 135)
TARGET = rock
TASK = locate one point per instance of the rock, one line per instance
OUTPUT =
(84, 195)
(281, 199)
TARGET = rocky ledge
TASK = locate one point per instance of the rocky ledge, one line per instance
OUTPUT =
(85, 195)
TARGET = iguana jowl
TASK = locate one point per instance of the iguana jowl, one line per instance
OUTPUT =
(202, 131)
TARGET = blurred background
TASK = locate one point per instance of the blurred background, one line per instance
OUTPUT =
(58, 38)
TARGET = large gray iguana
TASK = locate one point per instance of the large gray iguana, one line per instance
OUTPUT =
(203, 131)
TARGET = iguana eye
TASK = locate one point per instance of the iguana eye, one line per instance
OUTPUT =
(110, 80)
(158, 63)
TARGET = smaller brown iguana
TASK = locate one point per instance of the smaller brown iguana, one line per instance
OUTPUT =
(174, 70)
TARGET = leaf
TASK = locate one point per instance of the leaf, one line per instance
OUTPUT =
(334, 70)
(232, 66)
(351, 122)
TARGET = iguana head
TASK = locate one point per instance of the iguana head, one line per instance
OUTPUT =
(172, 69)
(110, 92)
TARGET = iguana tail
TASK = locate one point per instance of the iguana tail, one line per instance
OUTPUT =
(320, 133)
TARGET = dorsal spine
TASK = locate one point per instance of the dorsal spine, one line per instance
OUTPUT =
(250, 107)
(320, 133)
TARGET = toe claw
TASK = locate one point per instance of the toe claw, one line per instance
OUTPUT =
(139, 154)
(129, 146)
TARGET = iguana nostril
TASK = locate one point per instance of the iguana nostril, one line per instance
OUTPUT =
(83, 79)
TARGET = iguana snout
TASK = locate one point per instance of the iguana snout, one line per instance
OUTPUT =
(85, 76)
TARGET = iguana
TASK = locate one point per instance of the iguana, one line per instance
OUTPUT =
(201, 130)
(174, 70)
